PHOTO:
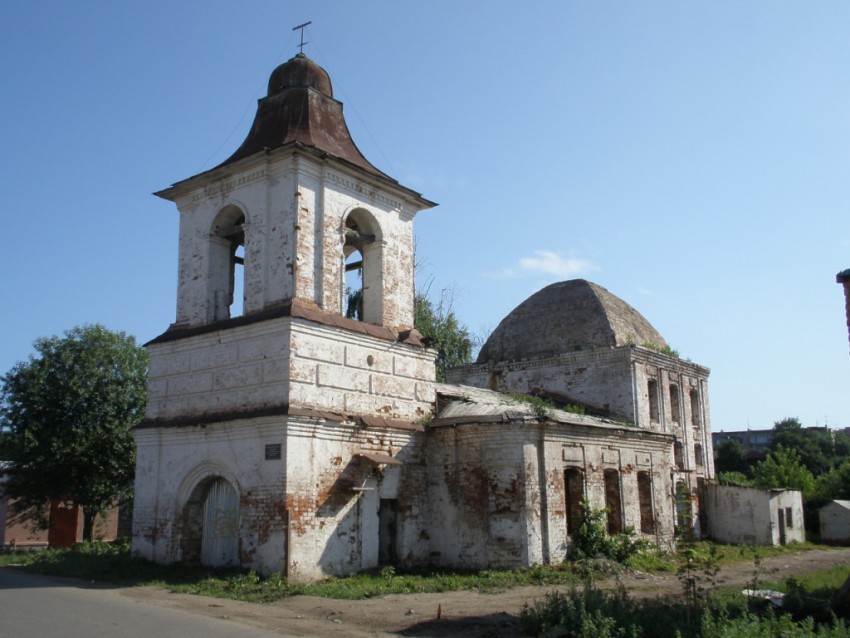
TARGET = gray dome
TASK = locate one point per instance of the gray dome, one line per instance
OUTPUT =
(565, 317)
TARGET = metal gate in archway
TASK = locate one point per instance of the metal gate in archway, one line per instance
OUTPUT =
(220, 536)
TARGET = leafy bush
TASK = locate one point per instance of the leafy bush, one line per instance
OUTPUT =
(738, 479)
(592, 613)
(581, 614)
(591, 539)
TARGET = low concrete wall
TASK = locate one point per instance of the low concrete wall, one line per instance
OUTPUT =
(835, 523)
(754, 516)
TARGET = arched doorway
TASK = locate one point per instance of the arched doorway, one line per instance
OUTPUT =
(220, 530)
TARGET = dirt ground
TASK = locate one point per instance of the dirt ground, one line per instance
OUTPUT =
(467, 614)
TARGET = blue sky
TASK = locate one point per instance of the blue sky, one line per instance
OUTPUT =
(692, 158)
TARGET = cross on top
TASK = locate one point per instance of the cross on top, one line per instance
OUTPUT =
(302, 26)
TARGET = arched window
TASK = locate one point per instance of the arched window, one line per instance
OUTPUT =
(652, 390)
(226, 263)
(362, 288)
(675, 412)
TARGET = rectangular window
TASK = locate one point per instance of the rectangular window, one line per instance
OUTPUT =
(789, 518)
(694, 408)
(698, 455)
(652, 389)
(574, 494)
(647, 520)
(674, 403)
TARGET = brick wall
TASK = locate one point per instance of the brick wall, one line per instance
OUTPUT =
(500, 487)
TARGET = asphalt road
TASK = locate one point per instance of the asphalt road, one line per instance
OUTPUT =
(33, 606)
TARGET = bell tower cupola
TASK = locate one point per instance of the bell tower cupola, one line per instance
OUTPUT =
(296, 215)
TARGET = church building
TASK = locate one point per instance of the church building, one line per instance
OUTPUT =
(286, 432)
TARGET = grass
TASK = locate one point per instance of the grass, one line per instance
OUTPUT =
(113, 563)
(666, 562)
(808, 612)
(543, 407)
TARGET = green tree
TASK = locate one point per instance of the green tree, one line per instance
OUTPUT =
(731, 458)
(782, 468)
(834, 484)
(734, 478)
(439, 325)
(819, 450)
(66, 415)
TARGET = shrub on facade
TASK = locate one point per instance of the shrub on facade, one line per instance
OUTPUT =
(591, 539)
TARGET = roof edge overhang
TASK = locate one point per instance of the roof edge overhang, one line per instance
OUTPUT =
(641, 353)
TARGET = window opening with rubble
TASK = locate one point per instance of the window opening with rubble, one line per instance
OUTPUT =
(226, 263)
(652, 390)
(362, 285)
(574, 495)
(675, 412)
(695, 408)
(613, 501)
(647, 518)
(678, 455)
(388, 532)
(684, 515)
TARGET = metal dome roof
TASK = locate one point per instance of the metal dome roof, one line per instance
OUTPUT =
(564, 317)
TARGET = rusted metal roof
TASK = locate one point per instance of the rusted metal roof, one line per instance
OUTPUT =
(300, 109)
(564, 317)
(466, 404)
(381, 459)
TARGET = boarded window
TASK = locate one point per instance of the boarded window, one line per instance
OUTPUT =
(652, 389)
(574, 492)
(388, 531)
(675, 412)
(683, 506)
(647, 520)
(699, 457)
(613, 502)
(219, 540)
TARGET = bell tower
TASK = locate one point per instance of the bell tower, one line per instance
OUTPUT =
(294, 325)
(297, 196)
